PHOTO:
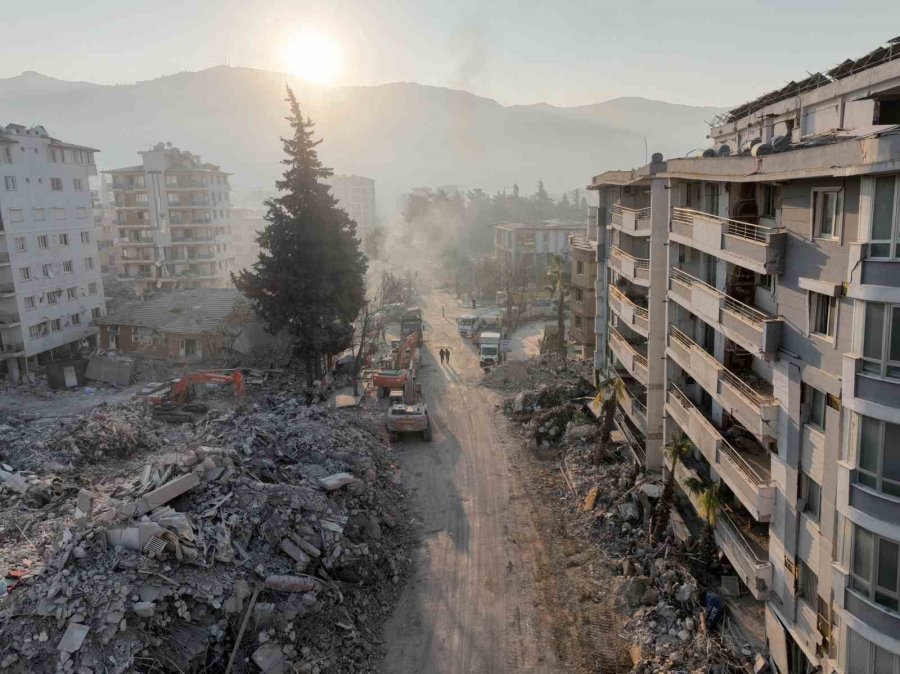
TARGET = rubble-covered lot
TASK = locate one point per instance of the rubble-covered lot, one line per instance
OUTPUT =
(273, 538)
(639, 606)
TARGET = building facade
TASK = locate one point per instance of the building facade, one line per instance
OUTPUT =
(356, 195)
(51, 290)
(582, 297)
(173, 220)
(246, 224)
(527, 251)
(772, 260)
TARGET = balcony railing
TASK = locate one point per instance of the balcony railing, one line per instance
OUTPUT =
(635, 269)
(9, 319)
(634, 221)
(634, 362)
(193, 239)
(746, 244)
(4, 258)
(636, 317)
(755, 330)
(752, 484)
(7, 288)
(581, 242)
(631, 405)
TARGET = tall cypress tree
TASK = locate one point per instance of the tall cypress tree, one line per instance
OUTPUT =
(310, 275)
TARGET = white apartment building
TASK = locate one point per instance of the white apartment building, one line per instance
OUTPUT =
(246, 224)
(745, 299)
(173, 219)
(50, 285)
(356, 195)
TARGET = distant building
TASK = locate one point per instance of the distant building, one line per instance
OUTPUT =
(246, 224)
(172, 213)
(105, 230)
(356, 195)
(528, 249)
(582, 300)
(50, 284)
(185, 325)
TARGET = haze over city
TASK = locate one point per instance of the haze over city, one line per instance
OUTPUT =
(452, 338)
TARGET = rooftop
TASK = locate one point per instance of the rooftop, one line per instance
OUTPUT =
(8, 132)
(553, 225)
(187, 312)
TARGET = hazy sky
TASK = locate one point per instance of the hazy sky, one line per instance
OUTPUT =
(562, 52)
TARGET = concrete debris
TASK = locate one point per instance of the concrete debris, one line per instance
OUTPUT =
(149, 558)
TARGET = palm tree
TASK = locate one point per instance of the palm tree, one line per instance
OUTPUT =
(608, 411)
(677, 449)
(555, 272)
(709, 504)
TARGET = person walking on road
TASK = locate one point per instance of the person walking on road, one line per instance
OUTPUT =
(441, 352)
(447, 355)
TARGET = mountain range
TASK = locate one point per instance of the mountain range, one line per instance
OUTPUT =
(401, 134)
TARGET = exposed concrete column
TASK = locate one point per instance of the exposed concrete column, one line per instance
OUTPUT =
(12, 367)
(719, 339)
(656, 343)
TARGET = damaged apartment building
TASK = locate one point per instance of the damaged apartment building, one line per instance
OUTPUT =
(51, 290)
(173, 213)
(746, 298)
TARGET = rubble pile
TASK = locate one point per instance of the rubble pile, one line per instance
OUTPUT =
(274, 541)
(548, 369)
(607, 505)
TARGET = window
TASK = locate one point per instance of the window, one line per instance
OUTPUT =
(811, 496)
(68, 267)
(15, 215)
(56, 325)
(879, 456)
(39, 214)
(59, 213)
(25, 273)
(579, 294)
(43, 241)
(578, 321)
(711, 198)
(63, 239)
(692, 195)
(768, 205)
(141, 199)
(76, 183)
(881, 343)
(56, 184)
(827, 211)
(76, 319)
(53, 298)
(10, 183)
(875, 567)
(85, 237)
(92, 288)
(814, 402)
(71, 293)
(21, 245)
(38, 330)
(884, 233)
(579, 267)
(82, 212)
(807, 584)
(88, 263)
(96, 313)
(822, 314)
(766, 281)
(6, 155)
(864, 657)
(47, 270)
(53, 155)
(30, 304)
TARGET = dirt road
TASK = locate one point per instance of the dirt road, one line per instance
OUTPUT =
(472, 606)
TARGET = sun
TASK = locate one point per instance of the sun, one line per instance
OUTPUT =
(315, 58)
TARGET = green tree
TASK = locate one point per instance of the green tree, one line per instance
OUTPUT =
(676, 450)
(309, 278)
(709, 504)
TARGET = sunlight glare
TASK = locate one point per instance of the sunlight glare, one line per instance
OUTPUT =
(315, 58)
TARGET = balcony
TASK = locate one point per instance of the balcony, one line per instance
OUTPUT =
(749, 476)
(4, 259)
(629, 400)
(633, 315)
(7, 289)
(583, 245)
(751, 246)
(9, 321)
(744, 396)
(748, 555)
(11, 350)
(632, 360)
(193, 239)
(633, 221)
(754, 330)
(635, 269)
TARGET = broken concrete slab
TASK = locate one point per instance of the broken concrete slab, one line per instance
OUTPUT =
(291, 583)
(336, 481)
(73, 638)
(294, 552)
(158, 497)
(270, 658)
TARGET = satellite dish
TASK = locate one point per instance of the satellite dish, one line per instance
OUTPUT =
(781, 143)
(656, 158)
(709, 152)
(761, 149)
(724, 150)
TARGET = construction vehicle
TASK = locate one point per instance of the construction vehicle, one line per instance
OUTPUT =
(410, 415)
(411, 323)
(489, 349)
(468, 325)
(172, 401)
(397, 373)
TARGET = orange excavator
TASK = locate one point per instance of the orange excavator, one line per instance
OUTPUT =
(173, 402)
(405, 360)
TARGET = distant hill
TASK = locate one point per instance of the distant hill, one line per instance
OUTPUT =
(401, 134)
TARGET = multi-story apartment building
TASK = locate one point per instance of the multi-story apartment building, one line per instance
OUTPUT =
(526, 251)
(583, 300)
(105, 229)
(246, 224)
(50, 284)
(356, 195)
(172, 213)
(773, 261)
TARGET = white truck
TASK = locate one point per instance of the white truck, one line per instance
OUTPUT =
(468, 325)
(489, 345)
